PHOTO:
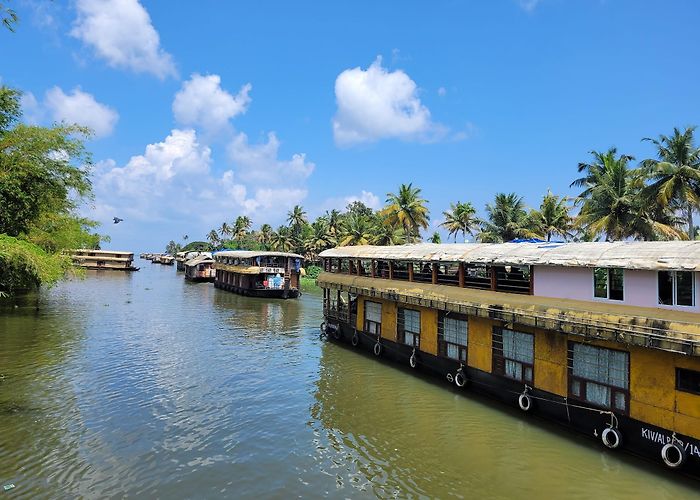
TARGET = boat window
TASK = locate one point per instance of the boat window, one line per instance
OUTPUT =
(477, 276)
(400, 271)
(448, 274)
(353, 266)
(409, 327)
(373, 318)
(334, 265)
(381, 269)
(365, 267)
(676, 288)
(688, 380)
(599, 376)
(344, 266)
(452, 336)
(608, 283)
(422, 272)
(513, 354)
(514, 279)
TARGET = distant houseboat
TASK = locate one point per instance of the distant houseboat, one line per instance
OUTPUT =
(200, 268)
(603, 338)
(110, 260)
(259, 274)
(182, 257)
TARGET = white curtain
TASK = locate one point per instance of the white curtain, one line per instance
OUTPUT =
(518, 346)
(411, 321)
(373, 311)
(601, 365)
(455, 331)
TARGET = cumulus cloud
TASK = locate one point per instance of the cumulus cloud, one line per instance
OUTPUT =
(81, 108)
(173, 181)
(376, 104)
(260, 163)
(121, 33)
(202, 102)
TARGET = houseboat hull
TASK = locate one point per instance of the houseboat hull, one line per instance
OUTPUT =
(641, 439)
(291, 293)
(200, 279)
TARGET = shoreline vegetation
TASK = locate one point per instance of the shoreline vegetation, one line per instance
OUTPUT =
(654, 200)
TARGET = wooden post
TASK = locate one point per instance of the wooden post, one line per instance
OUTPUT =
(493, 277)
(435, 273)
(358, 267)
(532, 280)
(410, 271)
(391, 270)
(372, 266)
(460, 273)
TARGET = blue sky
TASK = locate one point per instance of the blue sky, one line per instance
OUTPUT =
(209, 110)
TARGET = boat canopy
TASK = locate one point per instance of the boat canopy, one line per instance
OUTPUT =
(199, 259)
(250, 254)
(644, 255)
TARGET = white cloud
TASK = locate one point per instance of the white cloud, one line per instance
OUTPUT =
(173, 182)
(442, 91)
(367, 197)
(259, 163)
(81, 108)
(31, 110)
(121, 33)
(202, 102)
(376, 104)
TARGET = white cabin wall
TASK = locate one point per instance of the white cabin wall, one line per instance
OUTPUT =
(640, 287)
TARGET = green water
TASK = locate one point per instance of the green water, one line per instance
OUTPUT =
(144, 385)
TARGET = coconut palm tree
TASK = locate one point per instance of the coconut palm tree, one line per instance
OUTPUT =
(241, 227)
(408, 210)
(333, 217)
(435, 238)
(213, 238)
(319, 240)
(264, 235)
(506, 220)
(386, 234)
(675, 175)
(595, 169)
(614, 208)
(296, 218)
(282, 240)
(225, 230)
(460, 218)
(356, 230)
(553, 217)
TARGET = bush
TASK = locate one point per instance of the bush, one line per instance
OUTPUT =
(313, 272)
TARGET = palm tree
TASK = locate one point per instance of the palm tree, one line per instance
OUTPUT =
(356, 230)
(264, 235)
(675, 176)
(435, 238)
(333, 217)
(241, 227)
(282, 240)
(613, 205)
(507, 220)
(319, 240)
(553, 217)
(408, 210)
(213, 238)
(296, 218)
(387, 234)
(595, 169)
(460, 218)
(225, 230)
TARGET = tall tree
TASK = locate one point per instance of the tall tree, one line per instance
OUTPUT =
(333, 217)
(675, 174)
(386, 234)
(8, 17)
(224, 230)
(460, 218)
(213, 238)
(241, 227)
(435, 238)
(408, 210)
(282, 240)
(356, 231)
(264, 235)
(553, 217)
(296, 219)
(614, 208)
(506, 220)
(319, 240)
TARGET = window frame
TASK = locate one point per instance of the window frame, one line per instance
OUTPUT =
(584, 382)
(607, 284)
(368, 324)
(401, 327)
(688, 390)
(674, 288)
(498, 361)
(462, 350)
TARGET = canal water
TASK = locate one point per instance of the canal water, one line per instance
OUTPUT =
(145, 385)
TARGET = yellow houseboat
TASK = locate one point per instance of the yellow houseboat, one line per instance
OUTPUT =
(110, 260)
(259, 274)
(603, 338)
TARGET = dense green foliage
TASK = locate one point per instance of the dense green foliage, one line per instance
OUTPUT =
(44, 176)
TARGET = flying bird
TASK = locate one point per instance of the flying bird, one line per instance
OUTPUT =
(117, 220)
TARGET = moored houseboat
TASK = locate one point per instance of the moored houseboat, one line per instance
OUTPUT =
(200, 268)
(258, 273)
(603, 338)
(167, 260)
(182, 257)
(110, 260)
